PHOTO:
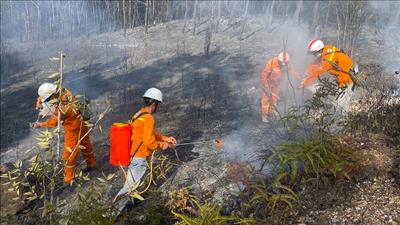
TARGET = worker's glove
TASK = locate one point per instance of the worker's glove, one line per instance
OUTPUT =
(171, 141)
(165, 145)
(37, 125)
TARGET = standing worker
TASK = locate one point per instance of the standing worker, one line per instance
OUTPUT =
(333, 61)
(74, 127)
(271, 77)
(145, 139)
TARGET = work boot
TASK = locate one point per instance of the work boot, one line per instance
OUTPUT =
(88, 169)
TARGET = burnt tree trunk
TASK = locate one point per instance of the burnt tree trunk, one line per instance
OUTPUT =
(194, 19)
(146, 17)
(185, 17)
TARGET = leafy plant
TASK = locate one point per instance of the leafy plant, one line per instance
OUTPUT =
(152, 211)
(41, 180)
(317, 157)
(318, 114)
(90, 207)
(270, 199)
(188, 210)
(378, 109)
(208, 214)
(311, 152)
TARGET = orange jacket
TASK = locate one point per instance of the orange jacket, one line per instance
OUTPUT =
(272, 72)
(331, 55)
(69, 114)
(145, 139)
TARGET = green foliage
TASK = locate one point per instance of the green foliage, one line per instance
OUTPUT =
(188, 210)
(378, 109)
(318, 153)
(311, 152)
(37, 183)
(30, 183)
(376, 115)
(151, 211)
(208, 214)
(317, 157)
(269, 200)
(90, 207)
(318, 114)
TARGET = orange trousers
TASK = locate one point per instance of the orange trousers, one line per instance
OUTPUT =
(269, 100)
(70, 141)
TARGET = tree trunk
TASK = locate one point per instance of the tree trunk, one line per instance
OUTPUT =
(327, 14)
(135, 12)
(271, 13)
(124, 15)
(315, 23)
(244, 19)
(349, 22)
(27, 30)
(297, 13)
(194, 17)
(153, 14)
(218, 16)
(146, 19)
(185, 17)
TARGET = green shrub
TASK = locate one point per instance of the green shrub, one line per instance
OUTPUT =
(209, 214)
(91, 208)
(378, 109)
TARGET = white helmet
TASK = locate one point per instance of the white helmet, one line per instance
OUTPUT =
(283, 58)
(46, 90)
(315, 46)
(153, 93)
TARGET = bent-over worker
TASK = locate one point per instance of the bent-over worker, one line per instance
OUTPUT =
(333, 61)
(329, 60)
(74, 127)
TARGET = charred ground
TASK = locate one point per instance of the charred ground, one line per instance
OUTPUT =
(206, 97)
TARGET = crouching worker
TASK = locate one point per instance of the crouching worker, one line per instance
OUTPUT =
(145, 140)
(74, 127)
(335, 62)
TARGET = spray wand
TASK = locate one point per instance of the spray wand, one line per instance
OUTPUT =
(218, 143)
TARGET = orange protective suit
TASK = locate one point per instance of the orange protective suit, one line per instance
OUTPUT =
(74, 129)
(271, 76)
(334, 62)
(145, 139)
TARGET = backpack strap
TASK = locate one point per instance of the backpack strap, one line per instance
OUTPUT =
(133, 118)
(137, 116)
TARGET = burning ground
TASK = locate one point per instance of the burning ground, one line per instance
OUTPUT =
(207, 97)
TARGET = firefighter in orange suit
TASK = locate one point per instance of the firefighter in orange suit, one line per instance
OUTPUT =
(74, 127)
(329, 60)
(271, 76)
(145, 140)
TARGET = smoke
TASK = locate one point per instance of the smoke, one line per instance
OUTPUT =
(386, 22)
(54, 24)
